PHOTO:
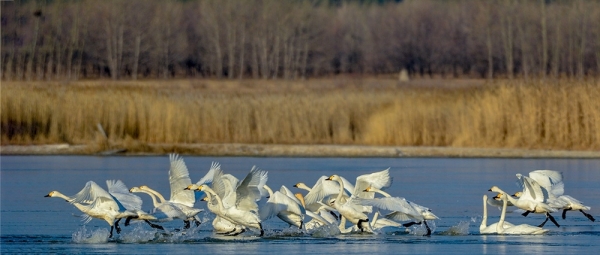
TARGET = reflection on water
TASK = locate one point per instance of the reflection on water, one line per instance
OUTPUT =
(451, 187)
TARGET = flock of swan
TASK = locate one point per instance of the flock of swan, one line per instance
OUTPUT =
(332, 201)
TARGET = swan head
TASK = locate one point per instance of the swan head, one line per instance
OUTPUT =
(334, 177)
(201, 187)
(191, 187)
(205, 198)
(51, 194)
(495, 189)
(300, 197)
(144, 187)
(299, 185)
(518, 194)
(498, 197)
(134, 189)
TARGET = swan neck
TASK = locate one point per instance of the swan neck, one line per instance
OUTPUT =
(484, 220)
(339, 196)
(156, 193)
(212, 193)
(156, 204)
(63, 196)
(268, 190)
(500, 226)
(385, 194)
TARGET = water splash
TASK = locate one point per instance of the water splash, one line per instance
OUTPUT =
(461, 229)
(421, 230)
(82, 235)
(325, 231)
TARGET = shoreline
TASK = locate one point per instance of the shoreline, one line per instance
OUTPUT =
(279, 150)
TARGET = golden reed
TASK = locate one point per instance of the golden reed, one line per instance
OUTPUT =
(562, 114)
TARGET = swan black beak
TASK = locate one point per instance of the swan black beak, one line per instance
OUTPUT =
(489, 189)
(47, 195)
(187, 188)
(295, 186)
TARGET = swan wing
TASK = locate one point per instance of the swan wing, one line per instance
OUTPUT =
(84, 196)
(531, 189)
(250, 189)
(118, 190)
(379, 180)
(179, 178)
(550, 180)
(398, 204)
(208, 177)
(321, 190)
(399, 216)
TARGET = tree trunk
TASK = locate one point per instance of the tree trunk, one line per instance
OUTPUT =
(136, 56)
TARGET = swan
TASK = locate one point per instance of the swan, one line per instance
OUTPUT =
(239, 205)
(403, 210)
(220, 224)
(163, 212)
(321, 217)
(179, 180)
(286, 208)
(491, 229)
(317, 206)
(96, 202)
(349, 209)
(553, 181)
(208, 177)
(523, 229)
(532, 200)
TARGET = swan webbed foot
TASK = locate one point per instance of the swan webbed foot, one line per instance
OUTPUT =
(186, 224)
(428, 229)
(197, 222)
(589, 216)
(359, 224)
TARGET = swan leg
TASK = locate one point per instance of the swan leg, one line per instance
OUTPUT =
(564, 213)
(117, 227)
(589, 216)
(129, 219)
(543, 223)
(334, 215)
(526, 213)
(154, 225)
(262, 232)
(428, 229)
(406, 225)
(553, 220)
(197, 221)
(186, 224)
(111, 231)
(302, 224)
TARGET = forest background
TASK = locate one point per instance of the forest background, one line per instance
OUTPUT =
(131, 74)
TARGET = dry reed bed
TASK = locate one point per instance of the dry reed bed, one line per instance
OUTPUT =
(517, 114)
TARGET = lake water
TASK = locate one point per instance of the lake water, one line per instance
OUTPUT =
(451, 187)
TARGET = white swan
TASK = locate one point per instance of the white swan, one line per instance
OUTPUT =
(491, 229)
(553, 181)
(163, 212)
(523, 229)
(239, 205)
(221, 225)
(96, 202)
(402, 210)
(349, 209)
(532, 200)
(318, 219)
(182, 198)
(283, 206)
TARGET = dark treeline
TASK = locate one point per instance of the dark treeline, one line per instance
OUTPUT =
(291, 39)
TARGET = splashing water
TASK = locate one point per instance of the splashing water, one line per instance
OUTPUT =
(461, 229)
(421, 230)
(93, 236)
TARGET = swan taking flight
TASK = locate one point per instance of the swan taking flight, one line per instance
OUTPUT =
(552, 181)
(352, 211)
(285, 207)
(534, 199)
(179, 180)
(238, 204)
(96, 202)
(523, 229)
(402, 210)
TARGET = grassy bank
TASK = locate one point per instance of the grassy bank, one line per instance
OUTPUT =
(501, 114)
